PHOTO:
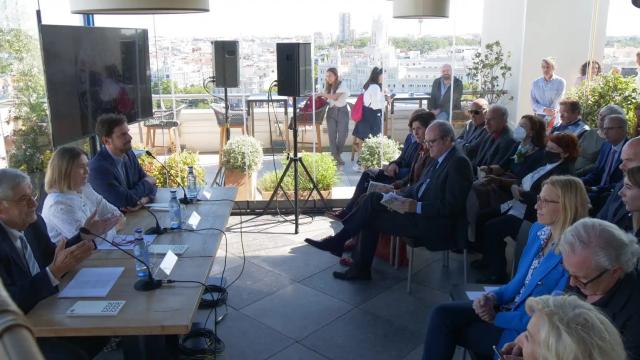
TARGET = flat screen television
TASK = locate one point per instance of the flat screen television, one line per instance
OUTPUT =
(90, 71)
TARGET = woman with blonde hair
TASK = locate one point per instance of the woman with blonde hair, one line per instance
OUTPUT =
(497, 317)
(567, 328)
(71, 202)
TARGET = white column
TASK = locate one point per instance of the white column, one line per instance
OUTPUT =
(535, 29)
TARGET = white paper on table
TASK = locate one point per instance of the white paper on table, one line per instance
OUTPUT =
(518, 209)
(194, 219)
(472, 295)
(125, 240)
(159, 206)
(206, 193)
(92, 282)
(490, 288)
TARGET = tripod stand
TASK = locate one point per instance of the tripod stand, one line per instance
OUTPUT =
(295, 160)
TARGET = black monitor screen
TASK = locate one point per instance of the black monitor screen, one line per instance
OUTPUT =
(91, 71)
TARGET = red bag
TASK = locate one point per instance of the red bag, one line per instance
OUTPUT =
(356, 110)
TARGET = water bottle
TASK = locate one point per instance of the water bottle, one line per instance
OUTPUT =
(192, 185)
(140, 251)
(175, 215)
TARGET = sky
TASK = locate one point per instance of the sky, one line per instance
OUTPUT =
(242, 18)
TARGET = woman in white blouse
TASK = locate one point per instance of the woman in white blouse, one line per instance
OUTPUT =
(71, 200)
(374, 102)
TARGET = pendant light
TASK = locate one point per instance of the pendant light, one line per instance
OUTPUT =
(420, 9)
(123, 7)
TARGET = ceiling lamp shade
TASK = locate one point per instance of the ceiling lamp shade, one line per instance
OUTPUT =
(420, 9)
(122, 7)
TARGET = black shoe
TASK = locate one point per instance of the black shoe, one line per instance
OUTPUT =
(352, 274)
(326, 244)
(479, 264)
(493, 279)
(336, 215)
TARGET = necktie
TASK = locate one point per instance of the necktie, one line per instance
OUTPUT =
(607, 170)
(427, 178)
(28, 257)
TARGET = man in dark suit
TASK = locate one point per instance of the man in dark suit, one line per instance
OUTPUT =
(474, 131)
(614, 210)
(31, 266)
(428, 211)
(115, 172)
(607, 173)
(440, 99)
(496, 147)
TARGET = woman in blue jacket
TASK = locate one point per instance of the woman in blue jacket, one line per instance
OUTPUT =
(499, 316)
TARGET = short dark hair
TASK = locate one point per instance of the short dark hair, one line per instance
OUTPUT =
(107, 123)
(425, 118)
(568, 143)
(573, 104)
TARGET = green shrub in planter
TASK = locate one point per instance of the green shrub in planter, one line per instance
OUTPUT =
(178, 164)
(370, 153)
(321, 164)
(604, 90)
(243, 153)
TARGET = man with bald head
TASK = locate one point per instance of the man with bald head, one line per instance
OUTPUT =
(614, 210)
(474, 131)
(498, 145)
(440, 100)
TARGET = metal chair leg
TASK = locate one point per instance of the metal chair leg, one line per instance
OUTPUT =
(391, 257)
(445, 259)
(397, 246)
(465, 266)
(410, 270)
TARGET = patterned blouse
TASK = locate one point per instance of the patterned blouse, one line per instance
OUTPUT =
(544, 235)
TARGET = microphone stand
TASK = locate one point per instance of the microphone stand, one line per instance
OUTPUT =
(184, 199)
(154, 230)
(147, 284)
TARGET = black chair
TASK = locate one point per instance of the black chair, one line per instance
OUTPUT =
(236, 121)
(164, 120)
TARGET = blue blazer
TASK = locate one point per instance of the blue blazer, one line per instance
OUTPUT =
(106, 181)
(594, 177)
(550, 276)
(410, 150)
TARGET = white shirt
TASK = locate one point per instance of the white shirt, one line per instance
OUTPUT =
(343, 93)
(374, 97)
(65, 213)
(536, 174)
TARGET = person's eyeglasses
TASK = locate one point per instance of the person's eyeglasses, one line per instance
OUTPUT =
(432, 142)
(612, 128)
(475, 112)
(26, 198)
(546, 202)
(586, 283)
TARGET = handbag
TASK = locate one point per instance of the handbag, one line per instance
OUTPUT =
(356, 110)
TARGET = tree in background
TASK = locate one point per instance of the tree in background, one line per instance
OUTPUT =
(489, 72)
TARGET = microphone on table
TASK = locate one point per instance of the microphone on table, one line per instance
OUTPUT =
(154, 230)
(184, 199)
(146, 284)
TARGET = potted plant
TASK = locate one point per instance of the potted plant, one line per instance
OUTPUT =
(242, 158)
(177, 163)
(378, 151)
(322, 167)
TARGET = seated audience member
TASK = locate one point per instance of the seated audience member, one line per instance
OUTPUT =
(429, 210)
(499, 144)
(474, 130)
(70, 200)
(570, 120)
(630, 195)
(397, 169)
(602, 178)
(566, 328)
(614, 210)
(115, 172)
(592, 140)
(31, 266)
(560, 154)
(498, 316)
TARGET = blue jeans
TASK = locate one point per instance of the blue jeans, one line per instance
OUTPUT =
(456, 323)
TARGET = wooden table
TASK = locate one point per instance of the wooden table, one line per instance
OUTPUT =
(165, 311)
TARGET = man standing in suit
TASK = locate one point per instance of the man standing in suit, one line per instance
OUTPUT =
(440, 99)
(496, 147)
(606, 173)
(429, 210)
(31, 266)
(614, 210)
(115, 172)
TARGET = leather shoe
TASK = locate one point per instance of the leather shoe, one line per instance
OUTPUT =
(352, 274)
(325, 244)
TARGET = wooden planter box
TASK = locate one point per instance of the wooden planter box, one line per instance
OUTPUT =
(266, 195)
(246, 183)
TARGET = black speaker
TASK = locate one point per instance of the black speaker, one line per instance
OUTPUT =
(226, 65)
(294, 69)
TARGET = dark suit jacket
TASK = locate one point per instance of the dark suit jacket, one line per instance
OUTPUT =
(494, 151)
(408, 154)
(469, 137)
(26, 290)
(420, 164)
(106, 181)
(594, 177)
(614, 210)
(437, 101)
(531, 197)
